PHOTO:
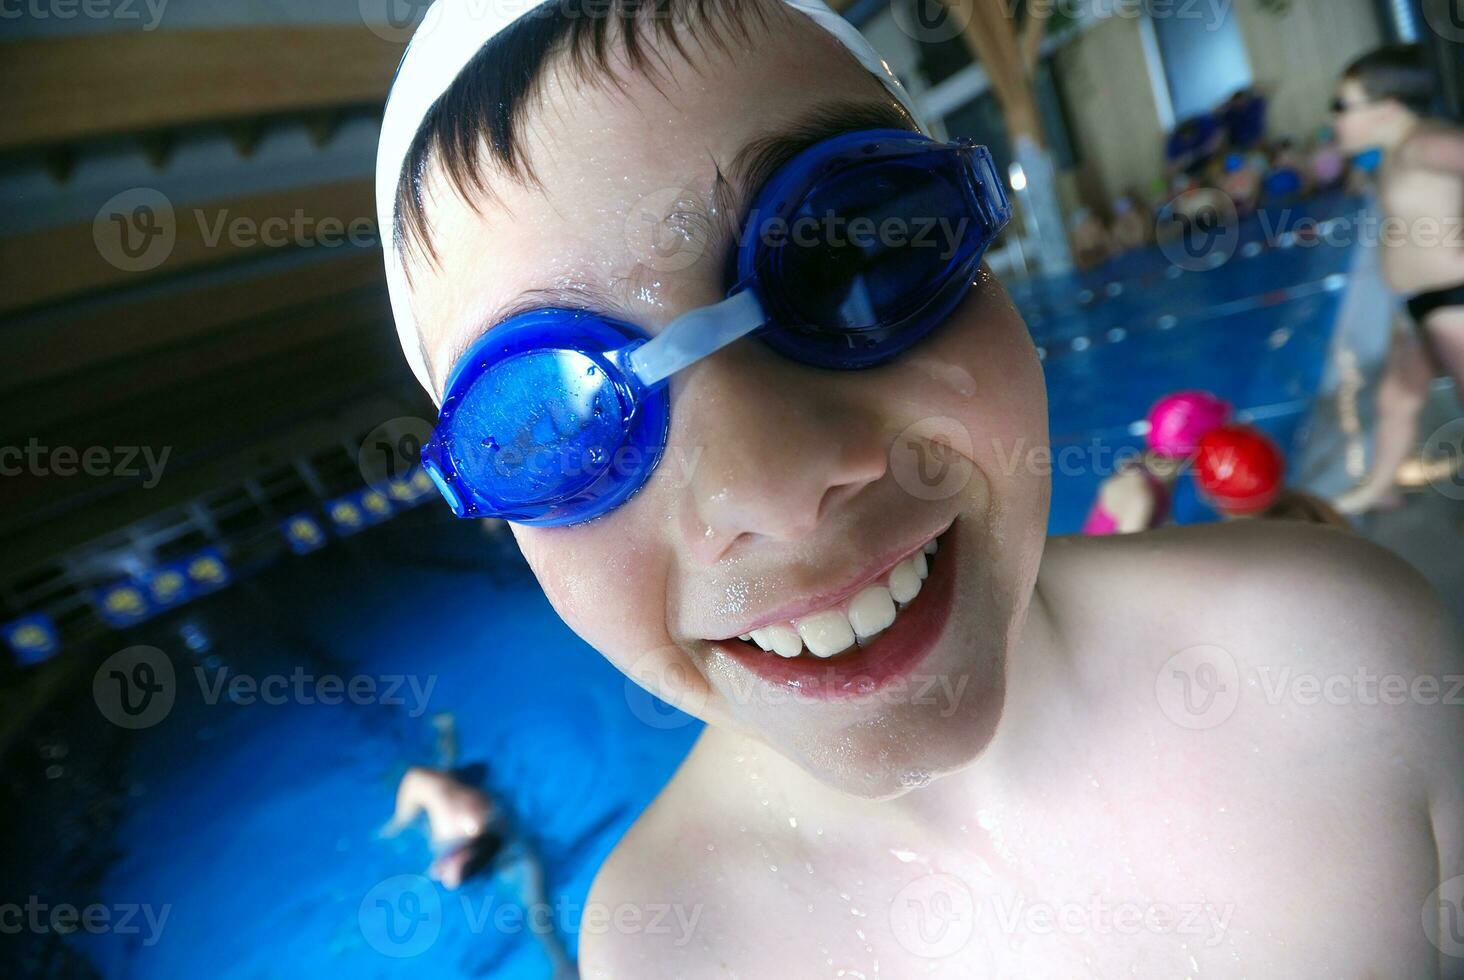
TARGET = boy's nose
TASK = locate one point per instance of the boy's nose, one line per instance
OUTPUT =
(773, 448)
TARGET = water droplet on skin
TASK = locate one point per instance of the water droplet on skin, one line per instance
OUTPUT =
(915, 778)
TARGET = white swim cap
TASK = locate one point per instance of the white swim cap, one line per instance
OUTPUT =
(447, 39)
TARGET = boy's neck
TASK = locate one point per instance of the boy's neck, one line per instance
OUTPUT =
(1039, 678)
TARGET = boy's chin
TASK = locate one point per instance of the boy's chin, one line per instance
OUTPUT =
(888, 760)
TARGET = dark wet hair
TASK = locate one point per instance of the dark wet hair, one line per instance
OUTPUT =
(1401, 72)
(484, 108)
(1293, 505)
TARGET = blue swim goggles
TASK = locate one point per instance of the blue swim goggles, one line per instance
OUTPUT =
(852, 252)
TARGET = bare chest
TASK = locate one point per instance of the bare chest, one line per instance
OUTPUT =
(1114, 883)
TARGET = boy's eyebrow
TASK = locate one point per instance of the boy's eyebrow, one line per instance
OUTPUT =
(751, 167)
(754, 165)
(756, 162)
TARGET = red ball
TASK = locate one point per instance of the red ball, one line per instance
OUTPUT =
(1239, 469)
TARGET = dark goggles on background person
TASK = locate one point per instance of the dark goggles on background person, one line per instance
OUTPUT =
(1341, 107)
(851, 254)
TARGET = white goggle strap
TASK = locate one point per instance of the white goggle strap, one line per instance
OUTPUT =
(695, 335)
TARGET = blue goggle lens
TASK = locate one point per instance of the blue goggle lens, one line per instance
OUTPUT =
(543, 425)
(860, 251)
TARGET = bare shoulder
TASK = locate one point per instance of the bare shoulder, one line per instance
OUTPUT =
(1326, 597)
(1333, 591)
(1332, 637)
(658, 900)
(1434, 146)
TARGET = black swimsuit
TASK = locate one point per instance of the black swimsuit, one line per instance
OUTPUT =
(1425, 304)
(1440, 299)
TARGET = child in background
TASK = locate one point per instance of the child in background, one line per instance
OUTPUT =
(1286, 180)
(1133, 226)
(1381, 114)
(1241, 182)
(1091, 245)
(1327, 164)
(1137, 497)
(1241, 472)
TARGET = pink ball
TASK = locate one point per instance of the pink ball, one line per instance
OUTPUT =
(1179, 421)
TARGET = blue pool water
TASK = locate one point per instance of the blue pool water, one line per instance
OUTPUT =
(254, 827)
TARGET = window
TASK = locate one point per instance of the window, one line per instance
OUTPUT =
(1205, 60)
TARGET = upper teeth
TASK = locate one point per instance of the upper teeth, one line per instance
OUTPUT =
(832, 631)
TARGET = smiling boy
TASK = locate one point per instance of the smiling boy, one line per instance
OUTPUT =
(937, 743)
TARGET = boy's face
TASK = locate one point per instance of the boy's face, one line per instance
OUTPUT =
(1365, 123)
(784, 488)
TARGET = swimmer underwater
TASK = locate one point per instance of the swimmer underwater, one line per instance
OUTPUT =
(949, 747)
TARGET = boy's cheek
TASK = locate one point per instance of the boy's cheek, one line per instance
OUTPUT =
(613, 595)
(607, 588)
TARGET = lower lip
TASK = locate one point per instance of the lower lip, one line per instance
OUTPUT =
(890, 656)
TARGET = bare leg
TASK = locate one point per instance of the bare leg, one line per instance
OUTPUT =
(1401, 395)
(1446, 330)
(531, 891)
(455, 813)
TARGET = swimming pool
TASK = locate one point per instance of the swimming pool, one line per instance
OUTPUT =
(243, 834)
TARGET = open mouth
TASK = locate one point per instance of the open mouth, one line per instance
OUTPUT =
(864, 641)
